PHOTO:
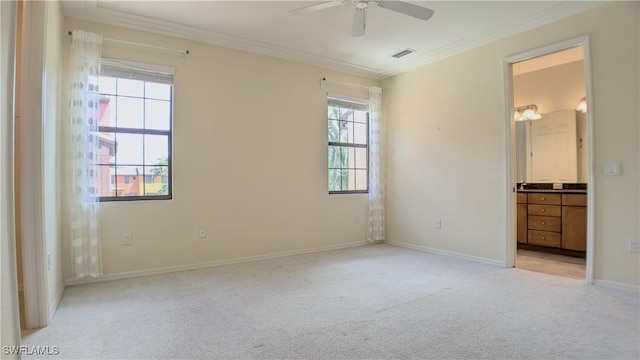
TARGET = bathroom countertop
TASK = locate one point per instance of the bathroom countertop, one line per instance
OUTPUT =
(559, 191)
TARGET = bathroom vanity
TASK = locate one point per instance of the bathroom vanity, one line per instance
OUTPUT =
(551, 220)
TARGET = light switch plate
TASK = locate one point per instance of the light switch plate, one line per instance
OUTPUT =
(612, 169)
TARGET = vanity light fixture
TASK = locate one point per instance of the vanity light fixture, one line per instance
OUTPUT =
(524, 113)
(582, 106)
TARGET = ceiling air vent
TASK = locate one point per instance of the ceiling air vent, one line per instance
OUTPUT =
(404, 52)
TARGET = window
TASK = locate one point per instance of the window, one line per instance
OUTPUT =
(135, 122)
(348, 133)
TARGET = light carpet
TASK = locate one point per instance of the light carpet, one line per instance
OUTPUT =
(368, 302)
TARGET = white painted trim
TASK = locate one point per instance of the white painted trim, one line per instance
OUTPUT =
(10, 291)
(510, 150)
(88, 11)
(91, 10)
(34, 258)
(56, 302)
(177, 268)
(591, 159)
(447, 253)
(616, 285)
(511, 169)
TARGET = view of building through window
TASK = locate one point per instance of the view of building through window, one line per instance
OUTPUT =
(348, 134)
(134, 138)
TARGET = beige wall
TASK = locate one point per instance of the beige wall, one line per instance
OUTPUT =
(446, 144)
(552, 89)
(250, 162)
(52, 156)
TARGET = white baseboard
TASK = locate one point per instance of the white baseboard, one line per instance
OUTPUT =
(170, 269)
(616, 285)
(603, 283)
(448, 253)
(54, 306)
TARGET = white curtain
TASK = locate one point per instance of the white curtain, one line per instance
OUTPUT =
(83, 139)
(376, 231)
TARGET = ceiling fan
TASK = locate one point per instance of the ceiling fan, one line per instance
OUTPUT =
(360, 14)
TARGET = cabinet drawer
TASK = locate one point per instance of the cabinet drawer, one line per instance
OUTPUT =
(544, 198)
(544, 238)
(544, 210)
(574, 199)
(522, 198)
(547, 223)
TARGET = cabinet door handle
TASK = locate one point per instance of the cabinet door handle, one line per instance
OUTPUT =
(543, 209)
(543, 223)
(542, 198)
(543, 238)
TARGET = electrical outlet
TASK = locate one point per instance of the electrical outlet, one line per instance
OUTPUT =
(203, 232)
(634, 245)
(438, 224)
(127, 239)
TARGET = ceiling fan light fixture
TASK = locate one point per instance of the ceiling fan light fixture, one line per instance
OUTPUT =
(359, 18)
(402, 53)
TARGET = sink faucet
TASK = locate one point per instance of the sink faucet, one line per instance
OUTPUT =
(523, 185)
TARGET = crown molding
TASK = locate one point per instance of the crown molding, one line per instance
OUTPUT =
(531, 21)
(90, 11)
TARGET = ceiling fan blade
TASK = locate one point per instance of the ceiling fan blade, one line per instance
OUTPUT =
(316, 7)
(407, 9)
(359, 20)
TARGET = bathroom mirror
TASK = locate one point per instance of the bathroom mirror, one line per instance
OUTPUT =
(553, 148)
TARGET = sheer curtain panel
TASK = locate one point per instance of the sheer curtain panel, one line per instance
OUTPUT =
(376, 231)
(83, 155)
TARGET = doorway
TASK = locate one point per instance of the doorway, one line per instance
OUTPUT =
(550, 160)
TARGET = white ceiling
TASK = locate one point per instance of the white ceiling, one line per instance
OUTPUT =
(323, 37)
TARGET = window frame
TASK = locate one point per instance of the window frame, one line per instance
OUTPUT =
(147, 73)
(360, 102)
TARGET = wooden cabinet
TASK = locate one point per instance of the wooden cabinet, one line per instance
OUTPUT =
(522, 218)
(574, 222)
(553, 220)
(544, 219)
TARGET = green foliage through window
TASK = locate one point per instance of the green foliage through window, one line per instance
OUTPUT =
(348, 141)
(134, 124)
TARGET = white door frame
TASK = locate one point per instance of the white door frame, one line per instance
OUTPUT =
(30, 141)
(9, 304)
(511, 146)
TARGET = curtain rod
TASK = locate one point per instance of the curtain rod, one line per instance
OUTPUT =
(183, 52)
(324, 79)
